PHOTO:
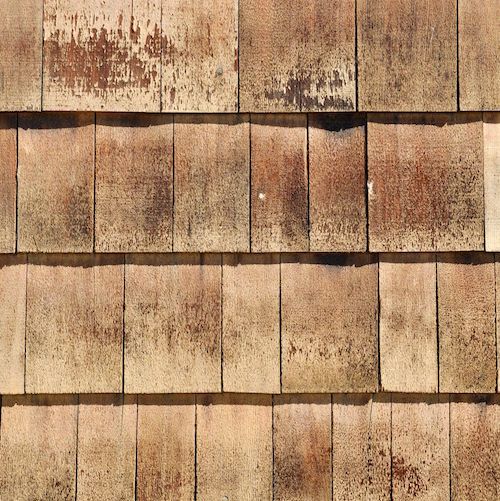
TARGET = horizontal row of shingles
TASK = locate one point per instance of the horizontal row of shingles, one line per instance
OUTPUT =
(240, 183)
(182, 323)
(250, 55)
(245, 447)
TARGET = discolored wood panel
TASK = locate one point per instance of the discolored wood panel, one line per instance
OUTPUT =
(329, 310)
(199, 55)
(8, 182)
(279, 183)
(56, 182)
(234, 447)
(407, 55)
(134, 183)
(361, 440)
(21, 55)
(12, 323)
(478, 49)
(337, 183)
(491, 135)
(297, 55)
(38, 447)
(166, 448)
(475, 442)
(102, 55)
(173, 323)
(302, 447)
(251, 323)
(466, 307)
(212, 162)
(74, 324)
(420, 448)
(425, 182)
(408, 323)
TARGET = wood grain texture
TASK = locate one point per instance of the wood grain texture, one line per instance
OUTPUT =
(12, 323)
(337, 183)
(408, 323)
(21, 55)
(329, 310)
(302, 447)
(475, 442)
(199, 55)
(491, 137)
(106, 447)
(134, 183)
(478, 54)
(234, 447)
(466, 320)
(166, 448)
(425, 182)
(297, 55)
(361, 440)
(212, 162)
(251, 323)
(74, 324)
(8, 182)
(56, 182)
(173, 323)
(420, 448)
(279, 183)
(102, 55)
(497, 277)
(38, 448)
(407, 55)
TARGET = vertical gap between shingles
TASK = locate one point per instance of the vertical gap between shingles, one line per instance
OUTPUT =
(221, 323)
(238, 50)
(95, 178)
(356, 105)
(449, 442)
(436, 286)
(250, 181)
(379, 357)
(458, 58)
(161, 57)
(331, 445)
(308, 189)
(195, 447)
(123, 320)
(1, 406)
(272, 448)
(16, 243)
(25, 318)
(136, 443)
(76, 454)
(173, 185)
(280, 328)
(42, 56)
(390, 447)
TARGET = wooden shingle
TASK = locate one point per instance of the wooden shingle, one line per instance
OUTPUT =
(297, 55)
(173, 323)
(212, 162)
(425, 182)
(74, 324)
(491, 135)
(199, 55)
(56, 182)
(329, 308)
(134, 183)
(407, 55)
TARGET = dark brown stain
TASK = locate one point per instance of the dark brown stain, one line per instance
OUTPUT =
(409, 476)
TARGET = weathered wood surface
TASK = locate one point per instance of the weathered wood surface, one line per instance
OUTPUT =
(361, 438)
(297, 55)
(329, 308)
(407, 55)
(279, 183)
(475, 442)
(478, 54)
(166, 448)
(173, 323)
(74, 324)
(466, 307)
(21, 55)
(337, 183)
(38, 448)
(134, 183)
(497, 276)
(56, 182)
(420, 448)
(12, 323)
(212, 192)
(408, 323)
(425, 182)
(8, 182)
(491, 137)
(102, 55)
(106, 447)
(234, 447)
(302, 447)
(199, 55)
(251, 323)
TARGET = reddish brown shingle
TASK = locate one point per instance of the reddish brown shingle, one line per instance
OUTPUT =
(491, 135)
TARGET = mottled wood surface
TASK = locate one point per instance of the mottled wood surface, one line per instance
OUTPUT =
(491, 137)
